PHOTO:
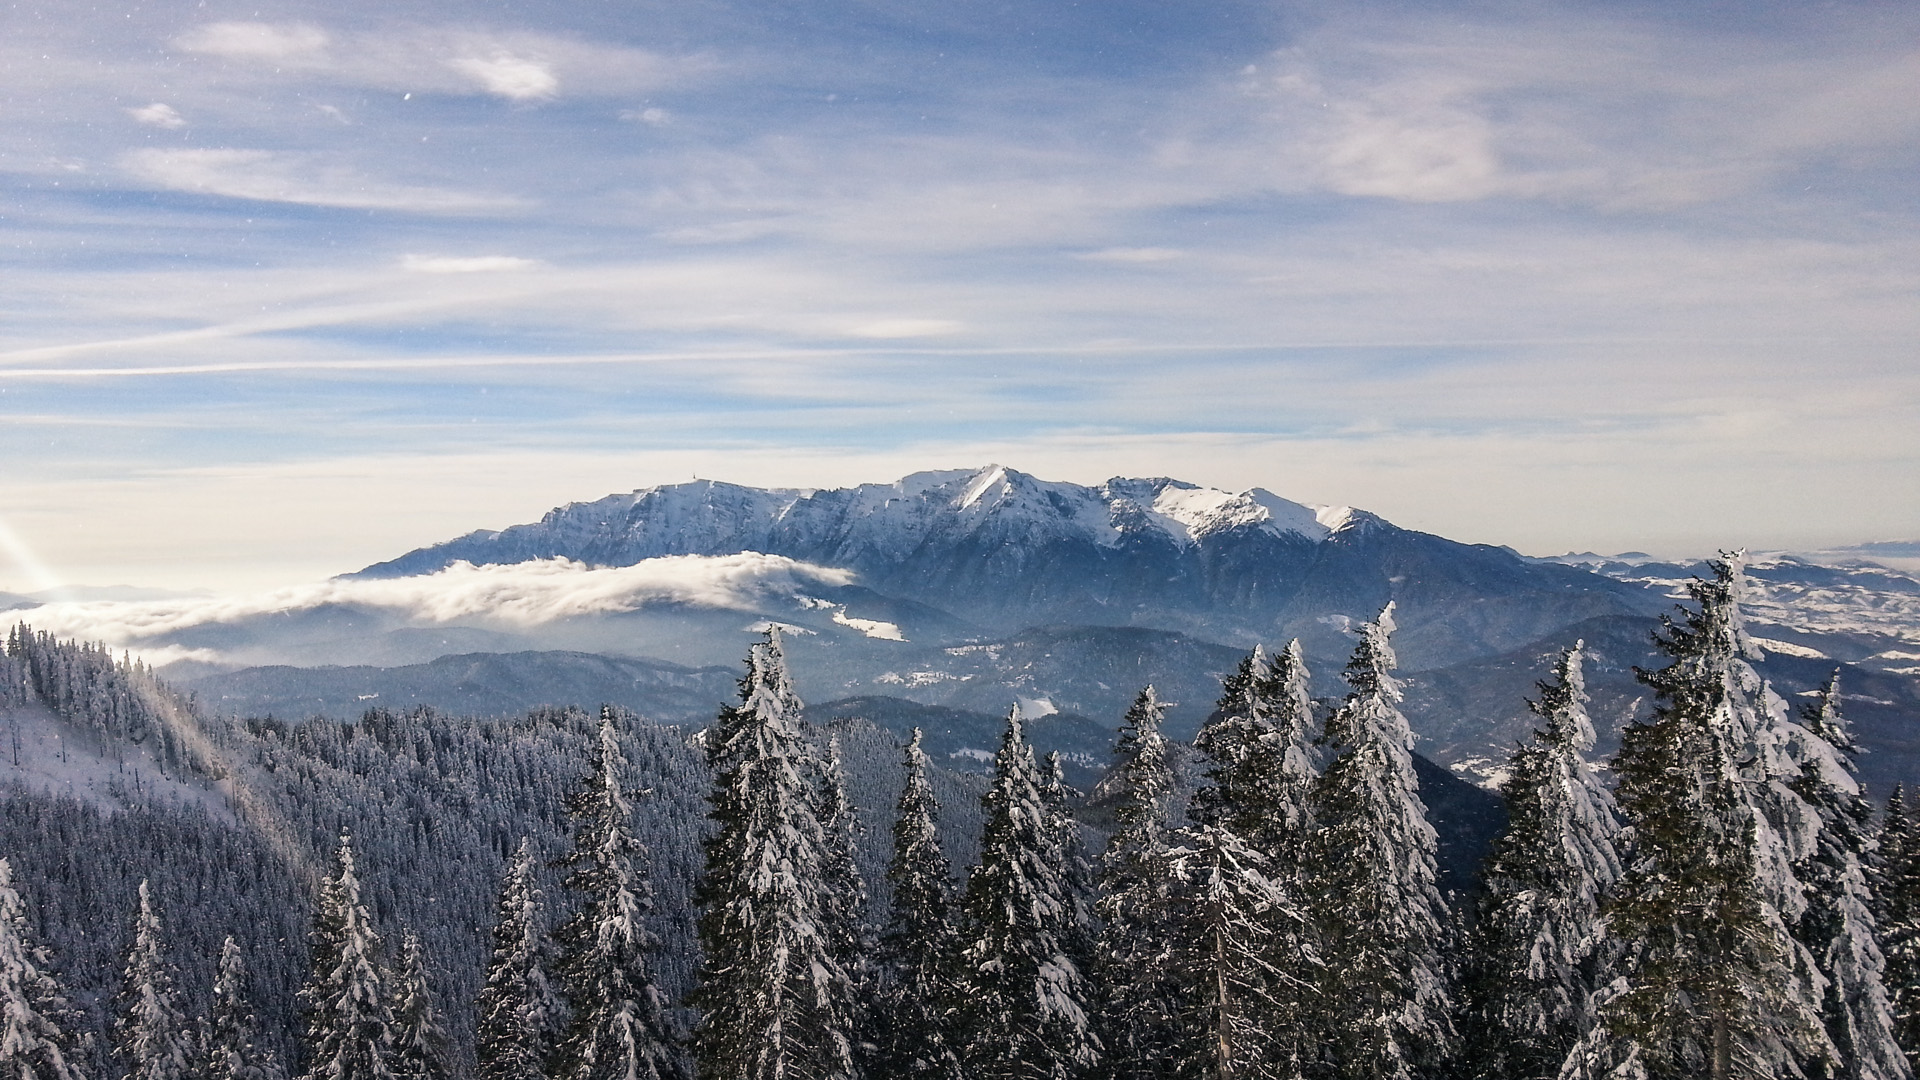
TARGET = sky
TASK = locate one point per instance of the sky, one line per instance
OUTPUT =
(289, 288)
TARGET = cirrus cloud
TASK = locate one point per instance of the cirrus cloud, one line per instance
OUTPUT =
(277, 43)
(306, 179)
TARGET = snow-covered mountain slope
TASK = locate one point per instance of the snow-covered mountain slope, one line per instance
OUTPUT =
(1003, 550)
(1841, 609)
(871, 523)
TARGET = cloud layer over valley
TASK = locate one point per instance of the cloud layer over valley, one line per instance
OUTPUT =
(511, 598)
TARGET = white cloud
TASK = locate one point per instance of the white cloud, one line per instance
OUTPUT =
(1613, 112)
(277, 43)
(515, 78)
(520, 595)
(887, 329)
(307, 179)
(520, 66)
(159, 114)
(873, 628)
(1132, 255)
(1420, 155)
(465, 264)
(652, 116)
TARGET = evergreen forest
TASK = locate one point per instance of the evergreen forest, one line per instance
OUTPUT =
(566, 895)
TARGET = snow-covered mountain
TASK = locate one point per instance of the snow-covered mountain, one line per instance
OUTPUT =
(1004, 550)
(975, 589)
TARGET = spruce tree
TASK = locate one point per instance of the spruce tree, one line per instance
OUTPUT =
(1288, 757)
(618, 1029)
(515, 1011)
(1233, 741)
(1233, 1013)
(419, 1039)
(1536, 955)
(1140, 999)
(232, 1044)
(35, 1040)
(1897, 895)
(151, 1036)
(915, 994)
(1839, 927)
(1026, 1006)
(1383, 1008)
(844, 896)
(1713, 985)
(772, 992)
(1069, 852)
(349, 1034)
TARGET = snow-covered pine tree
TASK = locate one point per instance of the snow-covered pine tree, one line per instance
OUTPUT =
(772, 992)
(1025, 1004)
(1260, 776)
(1384, 1009)
(1233, 741)
(1892, 842)
(844, 898)
(516, 1010)
(1279, 772)
(35, 1042)
(151, 1036)
(419, 1039)
(1233, 1019)
(1897, 896)
(912, 1022)
(1535, 956)
(1140, 999)
(231, 1040)
(1713, 984)
(349, 1032)
(1839, 926)
(618, 1029)
(1070, 854)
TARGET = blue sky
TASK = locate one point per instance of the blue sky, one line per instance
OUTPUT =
(290, 288)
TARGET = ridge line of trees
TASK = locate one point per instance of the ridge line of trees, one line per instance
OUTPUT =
(1728, 910)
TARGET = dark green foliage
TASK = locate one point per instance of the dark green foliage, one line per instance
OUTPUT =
(36, 1037)
(1233, 1015)
(231, 1039)
(515, 1011)
(915, 994)
(844, 890)
(773, 994)
(1839, 926)
(151, 1035)
(1026, 1008)
(1536, 954)
(618, 1029)
(419, 1039)
(349, 1028)
(1898, 894)
(1140, 997)
(1710, 990)
(1383, 1008)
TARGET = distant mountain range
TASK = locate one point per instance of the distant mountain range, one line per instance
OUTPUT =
(971, 590)
(998, 550)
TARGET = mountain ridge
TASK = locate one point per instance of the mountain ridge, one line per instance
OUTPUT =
(1003, 550)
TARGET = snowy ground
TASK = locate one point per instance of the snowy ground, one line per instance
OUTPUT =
(38, 750)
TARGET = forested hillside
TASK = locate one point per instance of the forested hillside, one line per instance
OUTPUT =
(562, 894)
